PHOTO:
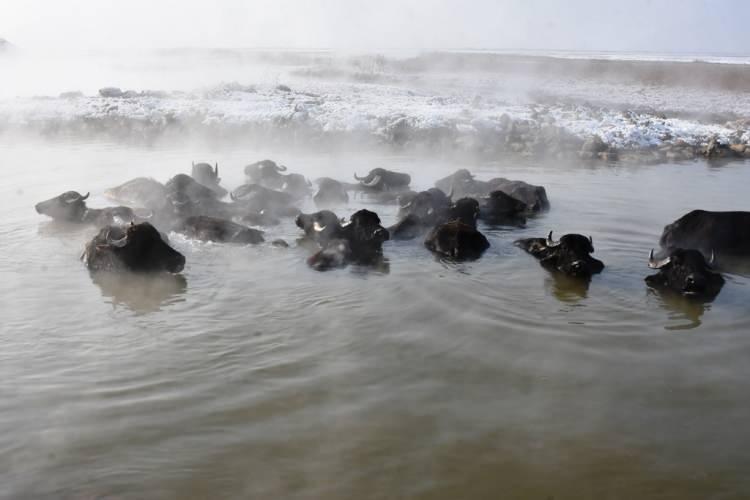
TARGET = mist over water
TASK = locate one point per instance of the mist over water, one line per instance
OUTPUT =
(250, 375)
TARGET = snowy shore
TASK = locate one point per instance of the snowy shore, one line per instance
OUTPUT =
(604, 110)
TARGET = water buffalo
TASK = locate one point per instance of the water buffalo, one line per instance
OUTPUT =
(330, 193)
(570, 255)
(425, 210)
(686, 272)
(71, 207)
(462, 183)
(726, 233)
(268, 174)
(380, 179)
(187, 198)
(257, 198)
(502, 209)
(140, 192)
(360, 241)
(457, 241)
(319, 227)
(209, 177)
(265, 172)
(219, 230)
(427, 205)
(136, 247)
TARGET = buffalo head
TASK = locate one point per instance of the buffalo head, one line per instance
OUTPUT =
(330, 193)
(69, 206)
(685, 272)
(265, 171)
(320, 226)
(380, 179)
(136, 247)
(457, 241)
(209, 177)
(569, 255)
(359, 241)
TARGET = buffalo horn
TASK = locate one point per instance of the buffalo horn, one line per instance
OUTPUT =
(712, 260)
(280, 168)
(374, 182)
(550, 241)
(216, 170)
(317, 227)
(359, 178)
(657, 264)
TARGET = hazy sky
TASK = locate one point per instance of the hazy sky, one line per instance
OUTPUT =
(655, 25)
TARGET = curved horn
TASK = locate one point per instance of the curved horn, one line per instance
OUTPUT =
(712, 260)
(280, 168)
(657, 264)
(232, 197)
(85, 196)
(216, 170)
(374, 182)
(359, 178)
(317, 227)
(550, 241)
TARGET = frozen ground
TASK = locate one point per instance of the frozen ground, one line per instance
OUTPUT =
(468, 101)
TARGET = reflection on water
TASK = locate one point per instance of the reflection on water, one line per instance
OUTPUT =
(566, 288)
(685, 311)
(141, 293)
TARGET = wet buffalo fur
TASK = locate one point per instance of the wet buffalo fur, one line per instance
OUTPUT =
(687, 273)
(358, 242)
(137, 247)
(457, 241)
(570, 255)
(206, 228)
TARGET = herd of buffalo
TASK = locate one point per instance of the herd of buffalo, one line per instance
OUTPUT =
(444, 217)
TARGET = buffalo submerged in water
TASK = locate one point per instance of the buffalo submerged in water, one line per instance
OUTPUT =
(135, 247)
(70, 206)
(725, 233)
(685, 272)
(570, 255)
(359, 241)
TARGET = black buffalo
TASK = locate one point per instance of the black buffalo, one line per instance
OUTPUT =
(420, 212)
(209, 177)
(188, 198)
(140, 192)
(330, 193)
(269, 174)
(457, 240)
(320, 227)
(136, 247)
(462, 183)
(255, 198)
(360, 241)
(219, 230)
(570, 255)
(380, 179)
(726, 233)
(686, 272)
(71, 207)
(502, 209)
